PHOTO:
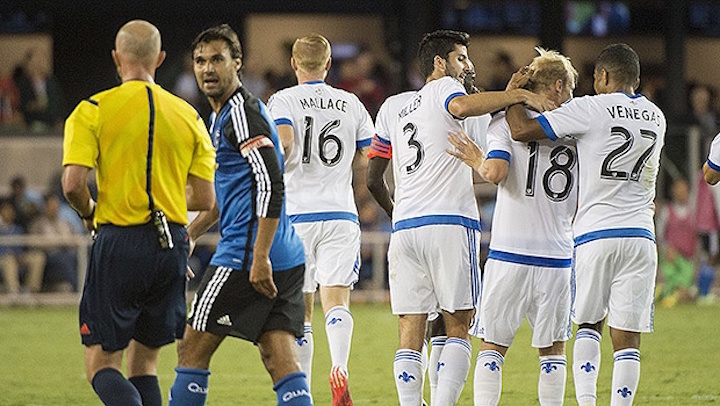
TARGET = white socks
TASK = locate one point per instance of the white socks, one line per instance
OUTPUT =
(436, 347)
(408, 370)
(305, 348)
(339, 329)
(551, 383)
(488, 378)
(626, 375)
(586, 364)
(452, 370)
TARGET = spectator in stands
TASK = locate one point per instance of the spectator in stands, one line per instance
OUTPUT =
(704, 115)
(66, 213)
(708, 228)
(676, 225)
(26, 201)
(14, 259)
(42, 102)
(9, 102)
(359, 76)
(61, 262)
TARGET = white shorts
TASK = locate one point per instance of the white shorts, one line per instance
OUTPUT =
(615, 277)
(511, 292)
(332, 253)
(434, 266)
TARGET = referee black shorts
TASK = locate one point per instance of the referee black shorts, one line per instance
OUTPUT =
(227, 304)
(134, 289)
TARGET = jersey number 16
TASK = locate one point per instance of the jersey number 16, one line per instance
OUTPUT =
(325, 143)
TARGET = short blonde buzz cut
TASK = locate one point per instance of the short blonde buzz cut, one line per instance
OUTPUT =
(311, 53)
(550, 66)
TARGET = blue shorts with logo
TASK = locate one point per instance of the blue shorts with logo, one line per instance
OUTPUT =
(133, 288)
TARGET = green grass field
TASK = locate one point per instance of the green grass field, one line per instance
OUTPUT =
(41, 362)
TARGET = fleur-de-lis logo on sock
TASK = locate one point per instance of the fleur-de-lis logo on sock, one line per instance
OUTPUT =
(406, 377)
(440, 365)
(549, 368)
(334, 321)
(624, 392)
(588, 367)
(492, 366)
(301, 341)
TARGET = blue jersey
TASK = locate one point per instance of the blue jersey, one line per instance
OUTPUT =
(249, 185)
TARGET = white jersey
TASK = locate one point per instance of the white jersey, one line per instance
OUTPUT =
(431, 186)
(619, 138)
(713, 159)
(386, 119)
(329, 124)
(476, 128)
(532, 222)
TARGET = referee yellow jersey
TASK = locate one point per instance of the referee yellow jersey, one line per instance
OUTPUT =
(114, 130)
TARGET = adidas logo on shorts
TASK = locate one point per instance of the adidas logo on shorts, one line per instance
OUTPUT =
(224, 321)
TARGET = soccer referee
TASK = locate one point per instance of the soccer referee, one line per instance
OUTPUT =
(154, 162)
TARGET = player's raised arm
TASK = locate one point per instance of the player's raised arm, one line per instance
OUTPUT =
(522, 127)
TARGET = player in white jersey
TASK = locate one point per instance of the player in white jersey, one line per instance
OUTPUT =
(527, 273)
(321, 128)
(619, 136)
(711, 168)
(433, 249)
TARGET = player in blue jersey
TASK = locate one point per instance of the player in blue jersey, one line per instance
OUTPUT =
(619, 137)
(253, 289)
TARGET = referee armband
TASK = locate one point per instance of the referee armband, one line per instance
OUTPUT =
(380, 148)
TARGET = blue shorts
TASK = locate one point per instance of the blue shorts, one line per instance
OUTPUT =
(134, 289)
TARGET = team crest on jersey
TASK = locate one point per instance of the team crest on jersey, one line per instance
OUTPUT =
(318, 92)
(254, 143)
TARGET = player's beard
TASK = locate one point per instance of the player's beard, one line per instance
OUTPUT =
(455, 74)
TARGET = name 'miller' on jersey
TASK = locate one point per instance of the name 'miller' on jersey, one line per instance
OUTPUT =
(431, 186)
(329, 125)
(619, 140)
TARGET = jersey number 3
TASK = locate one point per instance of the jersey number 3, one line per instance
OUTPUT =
(327, 143)
(411, 130)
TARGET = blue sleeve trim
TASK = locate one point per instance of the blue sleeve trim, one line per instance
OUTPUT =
(614, 233)
(498, 154)
(449, 98)
(436, 220)
(547, 129)
(382, 140)
(713, 166)
(283, 121)
(364, 143)
(324, 216)
(530, 259)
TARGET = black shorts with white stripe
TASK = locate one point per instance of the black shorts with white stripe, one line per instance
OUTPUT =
(227, 304)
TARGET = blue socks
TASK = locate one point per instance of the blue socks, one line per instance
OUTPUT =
(149, 389)
(292, 390)
(190, 387)
(114, 390)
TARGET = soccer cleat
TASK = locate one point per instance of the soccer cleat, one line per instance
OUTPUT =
(339, 387)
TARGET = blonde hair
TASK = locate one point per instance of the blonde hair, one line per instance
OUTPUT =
(550, 66)
(311, 52)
